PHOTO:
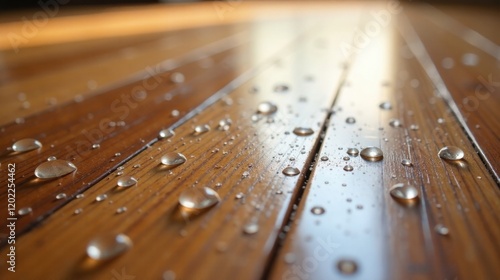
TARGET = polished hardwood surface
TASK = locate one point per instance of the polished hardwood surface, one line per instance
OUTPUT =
(321, 64)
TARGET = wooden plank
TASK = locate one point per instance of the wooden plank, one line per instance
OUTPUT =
(366, 234)
(213, 241)
(472, 77)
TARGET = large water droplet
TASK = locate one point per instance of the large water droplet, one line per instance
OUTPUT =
(318, 210)
(126, 181)
(303, 131)
(200, 129)
(403, 191)
(385, 105)
(106, 247)
(26, 144)
(353, 152)
(291, 171)
(347, 266)
(166, 133)
(199, 198)
(53, 169)
(173, 159)
(267, 108)
(372, 154)
(451, 153)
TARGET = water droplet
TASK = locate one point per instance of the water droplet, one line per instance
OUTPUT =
(403, 191)
(245, 174)
(199, 198)
(385, 105)
(53, 169)
(81, 195)
(414, 127)
(101, 197)
(447, 63)
(239, 195)
(350, 120)
(317, 210)
(440, 121)
(281, 88)
(26, 144)
(96, 146)
(51, 158)
(61, 196)
(177, 77)
(303, 131)
(346, 158)
(470, 59)
(126, 181)
(291, 171)
(78, 211)
(24, 211)
(406, 162)
(108, 246)
(451, 153)
(324, 158)
(353, 152)
(290, 258)
(175, 113)
(395, 123)
(372, 154)
(251, 228)
(267, 108)
(121, 210)
(441, 229)
(173, 159)
(166, 133)
(225, 124)
(348, 168)
(347, 266)
(200, 129)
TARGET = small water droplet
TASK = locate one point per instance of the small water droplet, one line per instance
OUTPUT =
(78, 211)
(61, 196)
(372, 154)
(175, 113)
(51, 158)
(26, 144)
(290, 258)
(403, 192)
(406, 162)
(385, 105)
(239, 195)
(318, 210)
(346, 158)
(166, 133)
(126, 181)
(291, 171)
(245, 174)
(200, 129)
(348, 168)
(173, 159)
(101, 197)
(414, 127)
(324, 158)
(451, 153)
(267, 108)
(24, 211)
(447, 63)
(53, 169)
(251, 228)
(177, 77)
(441, 229)
(303, 131)
(96, 146)
(353, 152)
(470, 59)
(440, 121)
(121, 210)
(199, 198)
(395, 123)
(350, 120)
(225, 124)
(108, 246)
(281, 88)
(347, 266)
(80, 195)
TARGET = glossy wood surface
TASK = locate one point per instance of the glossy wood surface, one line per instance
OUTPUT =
(321, 64)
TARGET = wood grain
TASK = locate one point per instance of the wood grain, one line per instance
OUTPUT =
(298, 56)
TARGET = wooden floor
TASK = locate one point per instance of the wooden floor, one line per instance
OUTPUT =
(96, 86)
